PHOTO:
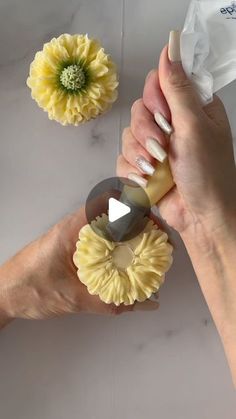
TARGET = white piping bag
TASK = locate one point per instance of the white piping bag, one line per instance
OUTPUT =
(208, 45)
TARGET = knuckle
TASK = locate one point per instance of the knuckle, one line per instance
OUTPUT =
(137, 126)
(119, 165)
(136, 105)
(179, 81)
(124, 147)
(125, 134)
(119, 161)
(150, 74)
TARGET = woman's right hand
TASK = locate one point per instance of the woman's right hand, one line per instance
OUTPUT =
(200, 148)
(202, 205)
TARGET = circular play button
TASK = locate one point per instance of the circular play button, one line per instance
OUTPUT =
(126, 204)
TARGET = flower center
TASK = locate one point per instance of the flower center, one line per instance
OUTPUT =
(73, 77)
(122, 256)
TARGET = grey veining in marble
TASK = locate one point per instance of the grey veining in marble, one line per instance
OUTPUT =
(168, 364)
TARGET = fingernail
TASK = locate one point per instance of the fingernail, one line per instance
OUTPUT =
(138, 179)
(174, 47)
(146, 306)
(156, 151)
(144, 165)
(163, 123)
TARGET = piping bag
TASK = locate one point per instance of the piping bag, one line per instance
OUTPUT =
(208, 55)
(159, 184)
(208, 45)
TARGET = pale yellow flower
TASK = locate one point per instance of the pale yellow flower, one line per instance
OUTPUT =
(73, 79)
(122, 272)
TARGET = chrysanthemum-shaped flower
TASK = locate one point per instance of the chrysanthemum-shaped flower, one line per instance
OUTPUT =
(122, 272)
(73, 79)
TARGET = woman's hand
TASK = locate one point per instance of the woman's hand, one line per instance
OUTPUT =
(202, 205)
(41, 281)
(199, 148)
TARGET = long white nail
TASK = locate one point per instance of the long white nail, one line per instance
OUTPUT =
(138, 179)
(163, 123)
(154, 148)
(174, 47)
(144, 165)
(146, 306)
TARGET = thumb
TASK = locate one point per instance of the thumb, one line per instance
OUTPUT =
(176, 87)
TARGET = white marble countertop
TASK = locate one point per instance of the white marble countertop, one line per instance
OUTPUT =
(168, 364)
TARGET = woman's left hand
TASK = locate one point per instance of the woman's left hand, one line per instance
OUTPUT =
(41, 281)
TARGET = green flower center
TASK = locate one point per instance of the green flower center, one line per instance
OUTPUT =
(73, 77)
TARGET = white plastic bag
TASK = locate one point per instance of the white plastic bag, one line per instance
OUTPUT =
(208, 45)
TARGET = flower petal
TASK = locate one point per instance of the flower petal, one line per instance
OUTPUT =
(98, 271)
(63, 105)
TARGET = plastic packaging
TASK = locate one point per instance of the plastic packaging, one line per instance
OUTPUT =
(208, 45)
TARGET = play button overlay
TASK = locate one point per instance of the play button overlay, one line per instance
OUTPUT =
(117, 210)
(124, 202)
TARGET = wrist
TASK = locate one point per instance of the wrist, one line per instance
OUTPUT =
(212, 247)
(212, 232)
(15, 278)
(5, 316)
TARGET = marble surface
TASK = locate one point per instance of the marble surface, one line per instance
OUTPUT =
(165, 364)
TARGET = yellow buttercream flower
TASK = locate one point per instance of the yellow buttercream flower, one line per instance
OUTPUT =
(73, 79)
(122, 272)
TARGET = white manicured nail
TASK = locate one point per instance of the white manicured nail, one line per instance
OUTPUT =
(138, 179)
(163, 123)
(144, 165)
(146, 306)
(156, 151)
(174, 47)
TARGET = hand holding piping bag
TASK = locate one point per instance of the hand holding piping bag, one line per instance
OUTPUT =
(145, 144)
(197, 140)
(202, 205)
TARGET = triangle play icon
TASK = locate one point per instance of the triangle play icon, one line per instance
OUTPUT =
(116, 210)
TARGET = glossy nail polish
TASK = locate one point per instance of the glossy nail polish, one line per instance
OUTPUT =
(144, 165)
(163, 123)
(138, 179)
(155, 149)
(174, 47)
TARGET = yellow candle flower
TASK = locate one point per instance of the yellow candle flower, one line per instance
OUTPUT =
(73, 79)
(122, 272)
